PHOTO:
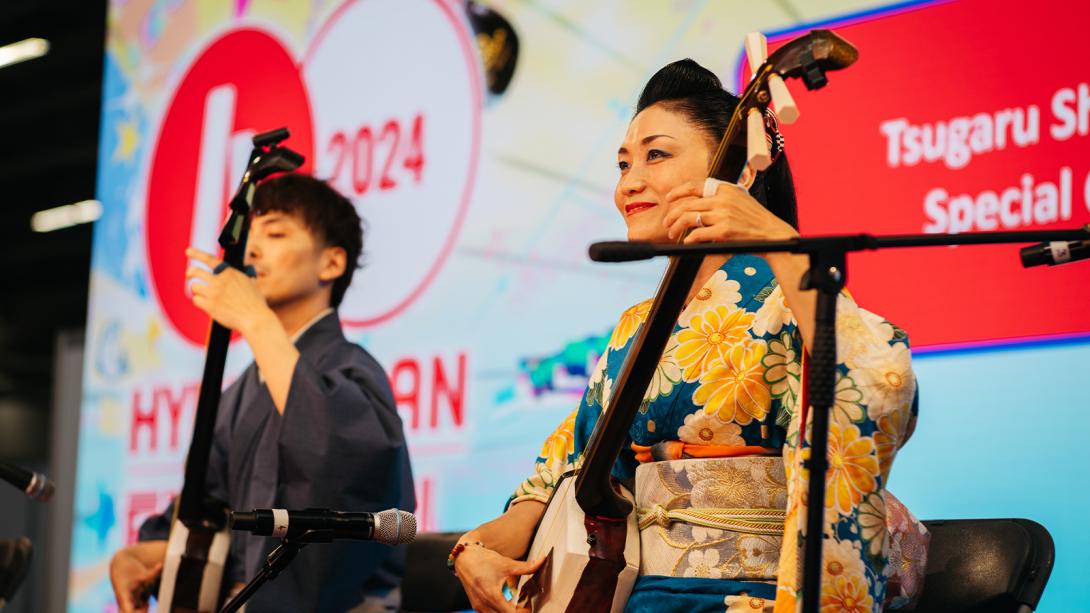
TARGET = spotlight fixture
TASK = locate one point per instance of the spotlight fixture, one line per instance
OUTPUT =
(23, 50)
(66, 216)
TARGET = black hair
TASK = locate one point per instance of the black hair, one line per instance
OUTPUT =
(688, 88)
(328, 215)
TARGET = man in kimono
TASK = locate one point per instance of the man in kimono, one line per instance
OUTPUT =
(310, 424)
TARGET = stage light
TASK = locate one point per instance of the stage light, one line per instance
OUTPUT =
(66, 216)
(23, 50)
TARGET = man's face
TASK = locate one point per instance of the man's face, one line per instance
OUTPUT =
(291, 264)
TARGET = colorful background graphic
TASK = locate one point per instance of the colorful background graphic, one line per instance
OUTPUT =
(477, 294)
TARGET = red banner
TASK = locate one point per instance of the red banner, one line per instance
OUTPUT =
(958, 117)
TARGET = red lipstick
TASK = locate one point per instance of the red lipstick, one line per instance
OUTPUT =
(635, 207)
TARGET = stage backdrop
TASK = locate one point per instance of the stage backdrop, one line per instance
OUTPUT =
(482, 188)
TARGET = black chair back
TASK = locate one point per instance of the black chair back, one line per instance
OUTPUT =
(14, 563)
(993, 565)
(428, 586)
(973, 566)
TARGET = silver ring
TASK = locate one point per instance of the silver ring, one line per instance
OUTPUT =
(699, 223)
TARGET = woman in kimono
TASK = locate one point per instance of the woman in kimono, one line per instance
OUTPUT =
(715, 456)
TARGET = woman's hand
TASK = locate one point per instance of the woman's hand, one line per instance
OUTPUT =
(729, 214)
(732, 214)
(229, 296)
(132, 571)
(483, 573)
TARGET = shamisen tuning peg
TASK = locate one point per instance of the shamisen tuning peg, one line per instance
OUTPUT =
(756, 53)
(757, 153)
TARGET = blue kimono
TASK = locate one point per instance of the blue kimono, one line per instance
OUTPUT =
(338, 445)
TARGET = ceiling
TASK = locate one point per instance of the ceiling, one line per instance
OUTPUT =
(49, 125)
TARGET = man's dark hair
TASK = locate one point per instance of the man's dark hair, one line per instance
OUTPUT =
(325, 212)
(688, 88)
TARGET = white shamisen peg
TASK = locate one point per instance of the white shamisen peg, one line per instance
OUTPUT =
(756, 51)
(786, 109)
(757, 153)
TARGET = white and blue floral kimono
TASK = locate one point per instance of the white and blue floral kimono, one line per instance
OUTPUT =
(716, 461)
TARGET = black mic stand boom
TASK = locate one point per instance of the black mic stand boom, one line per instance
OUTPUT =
(827, 274)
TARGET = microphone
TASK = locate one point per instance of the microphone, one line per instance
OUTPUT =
(621, 251)
(1056, 252)
(389, 527)
(36, 485)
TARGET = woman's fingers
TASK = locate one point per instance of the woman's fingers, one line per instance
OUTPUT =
(487, 591)
(484, 572)
(702, 235)
(681, 207)
(525, 567)
(688, 189)
(691, 219)
(489, 598)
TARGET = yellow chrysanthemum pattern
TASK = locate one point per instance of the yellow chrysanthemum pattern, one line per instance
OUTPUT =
(709, 337)
(734, 388)
(846, 594)
(853, 468)
(561, 443)
(630, 322)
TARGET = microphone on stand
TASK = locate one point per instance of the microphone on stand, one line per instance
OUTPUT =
(36, 485)
(389, 527)
(1056, 252)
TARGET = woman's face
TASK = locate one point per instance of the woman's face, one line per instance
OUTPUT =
(661, 150)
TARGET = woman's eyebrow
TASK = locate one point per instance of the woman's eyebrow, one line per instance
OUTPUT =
(644, 141)
(648, 139)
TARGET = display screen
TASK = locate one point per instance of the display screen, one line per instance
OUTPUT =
(478, 141)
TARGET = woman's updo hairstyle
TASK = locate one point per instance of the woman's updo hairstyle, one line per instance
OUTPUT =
(688, 88)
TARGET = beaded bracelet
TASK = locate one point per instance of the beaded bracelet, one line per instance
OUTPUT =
(457, 551)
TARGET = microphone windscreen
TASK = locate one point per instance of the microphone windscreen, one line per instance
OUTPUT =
(620, 251)
(394, 527)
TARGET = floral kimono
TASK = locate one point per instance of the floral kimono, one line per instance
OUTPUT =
(715, 459)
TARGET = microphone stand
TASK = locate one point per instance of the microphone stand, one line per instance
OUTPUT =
(275, 562)
(827, 274)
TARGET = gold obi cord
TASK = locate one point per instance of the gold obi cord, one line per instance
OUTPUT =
(712, 517)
